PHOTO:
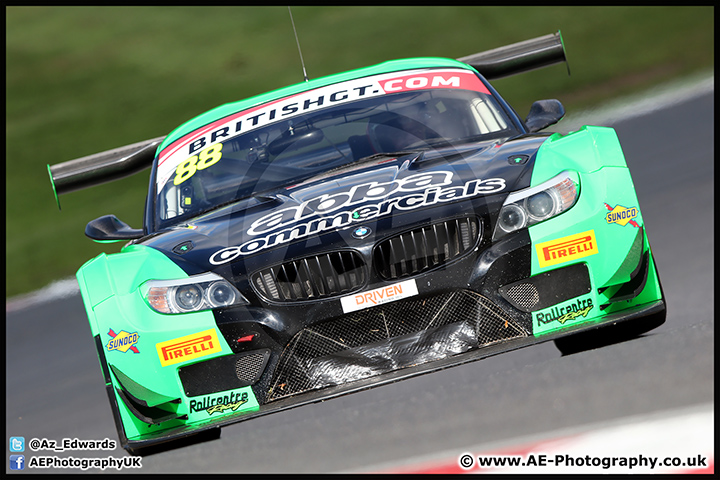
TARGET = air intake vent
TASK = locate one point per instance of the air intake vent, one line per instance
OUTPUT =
(424, 248)
(548, 288)
(249, 367)
(311, 278)
(525, 295)
(224, 373)
(389, 337)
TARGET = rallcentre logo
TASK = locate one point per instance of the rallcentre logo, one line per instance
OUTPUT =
(189, 347)
(563, 315)
(222, 403)
(566, 249)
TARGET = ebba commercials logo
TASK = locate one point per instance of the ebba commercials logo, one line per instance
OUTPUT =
(566, 249)
(359, 203)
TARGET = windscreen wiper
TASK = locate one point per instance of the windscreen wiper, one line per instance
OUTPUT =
(375, 156)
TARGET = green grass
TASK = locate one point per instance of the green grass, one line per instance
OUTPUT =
(81, 80)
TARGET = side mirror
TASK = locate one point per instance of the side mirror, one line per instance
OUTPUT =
(544, 113)
(109, 229)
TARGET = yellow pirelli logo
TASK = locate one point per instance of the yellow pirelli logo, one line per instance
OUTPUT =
(566, 249)
(188, 347)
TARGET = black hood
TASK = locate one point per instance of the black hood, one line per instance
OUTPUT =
(352, 206)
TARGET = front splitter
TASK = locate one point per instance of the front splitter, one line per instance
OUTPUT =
(166, 438)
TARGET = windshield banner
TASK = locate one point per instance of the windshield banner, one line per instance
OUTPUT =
(301, 103)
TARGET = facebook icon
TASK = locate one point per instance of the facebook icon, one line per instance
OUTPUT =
(17, 462)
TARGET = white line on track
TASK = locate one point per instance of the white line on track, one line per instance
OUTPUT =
(657, 98)
(620, 109)
(58, 289)
(685, 434)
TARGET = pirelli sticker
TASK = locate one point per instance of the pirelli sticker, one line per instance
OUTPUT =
(189, 347)
(566, 249)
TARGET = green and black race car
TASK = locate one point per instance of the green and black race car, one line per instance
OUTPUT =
(353, 230)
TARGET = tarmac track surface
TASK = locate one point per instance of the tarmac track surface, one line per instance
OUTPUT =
(55, 391)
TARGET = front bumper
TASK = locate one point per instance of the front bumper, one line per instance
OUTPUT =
(448, 322)
(654, 311)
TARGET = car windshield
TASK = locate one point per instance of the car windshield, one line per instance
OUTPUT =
(287, 151)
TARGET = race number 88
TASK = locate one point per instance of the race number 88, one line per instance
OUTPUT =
(207, 158)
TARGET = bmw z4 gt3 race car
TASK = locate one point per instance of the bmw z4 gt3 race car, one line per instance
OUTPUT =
(353, 230)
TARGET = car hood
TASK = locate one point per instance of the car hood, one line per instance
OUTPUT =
(350, 206)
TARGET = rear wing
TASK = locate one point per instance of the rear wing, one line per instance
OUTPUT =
(519, 57)
(122, 162)
(102, 167)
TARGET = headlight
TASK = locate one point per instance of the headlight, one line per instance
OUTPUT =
(511, 218)
(192, 294)
(533, 205)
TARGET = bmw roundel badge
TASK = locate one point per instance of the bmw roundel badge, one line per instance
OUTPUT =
(361, 232)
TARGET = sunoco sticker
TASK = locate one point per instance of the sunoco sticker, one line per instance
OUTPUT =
(621, 215)
(123, 341)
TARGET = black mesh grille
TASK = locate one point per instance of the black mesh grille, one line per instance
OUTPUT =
(548, 288)
(424, 248)
(311, 278)
(389, 337)
(224, 373)
(249, 367)
(525, 295)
